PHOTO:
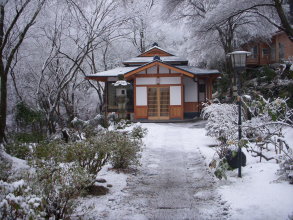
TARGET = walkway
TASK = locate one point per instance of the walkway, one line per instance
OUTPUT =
(173, 182)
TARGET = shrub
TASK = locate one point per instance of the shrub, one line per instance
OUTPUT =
(26, 116)
(5, 168)
(33, 137)
(138, 132)
(91, 154)
(59, 185)
(53, 150)
(19, 150)
(18, 202)
(125, 151)
(221, 169)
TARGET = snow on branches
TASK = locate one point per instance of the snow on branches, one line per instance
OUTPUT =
(264, 121)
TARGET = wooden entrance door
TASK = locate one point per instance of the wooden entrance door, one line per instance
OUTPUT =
(158, 103)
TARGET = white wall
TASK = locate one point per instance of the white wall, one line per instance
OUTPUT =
(152, 70)
(163, 69)
(154, 81)
(170, 80)
(146, 81)
(175, 95)
(141, 96)
(190, 90)
(142, 72)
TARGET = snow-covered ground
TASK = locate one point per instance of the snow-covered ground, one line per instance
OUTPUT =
(174, 182)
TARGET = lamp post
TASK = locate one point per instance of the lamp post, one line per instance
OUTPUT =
(238, 59)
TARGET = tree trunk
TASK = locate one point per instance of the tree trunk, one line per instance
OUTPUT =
(3, 102)
(284, 20)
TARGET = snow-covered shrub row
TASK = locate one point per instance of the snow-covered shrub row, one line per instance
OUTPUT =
(121, 149)
(49, 192)
(263, 123)
(62, 171)
(59, 185)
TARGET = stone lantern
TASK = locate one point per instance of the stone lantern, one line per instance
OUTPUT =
(121, 97)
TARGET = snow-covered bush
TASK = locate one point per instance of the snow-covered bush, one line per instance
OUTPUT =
(286, 169)
(59, 185)
(18, 202)
(222, 125)
(49, 150)
(125, 150)
(138, 132)
(5, 167)
(113, 117)
(19, 150)
(263, 123)
(84, 129)
(91, 154)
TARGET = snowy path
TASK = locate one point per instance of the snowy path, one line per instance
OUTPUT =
(173, 182)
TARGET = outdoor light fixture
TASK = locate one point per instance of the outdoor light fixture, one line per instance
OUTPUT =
(238, 59)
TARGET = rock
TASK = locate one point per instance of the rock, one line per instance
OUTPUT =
(97, 190)
(101, 180)
(109, 185)
(232, 159)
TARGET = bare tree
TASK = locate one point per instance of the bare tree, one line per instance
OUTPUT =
(140, 19)
(16, 18)
(270, 10)
(77, 32)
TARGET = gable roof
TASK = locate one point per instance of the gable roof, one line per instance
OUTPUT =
(166, 59)
(155, 51)
(189, 71)
(154, 63)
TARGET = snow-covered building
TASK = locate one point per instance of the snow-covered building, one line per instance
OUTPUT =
(162, 86)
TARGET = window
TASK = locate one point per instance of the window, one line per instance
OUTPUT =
(254, 52)
(202, 88)
(281, 51)
(265, 52)
(273, 52)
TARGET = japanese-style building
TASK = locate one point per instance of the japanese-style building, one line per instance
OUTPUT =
(276, 50)
(161, 86)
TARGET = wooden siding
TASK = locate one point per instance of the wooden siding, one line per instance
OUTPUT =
(141, 112)
(190, 106)
(176, 111)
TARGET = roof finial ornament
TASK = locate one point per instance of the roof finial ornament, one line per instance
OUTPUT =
(155, 44)
(157, 58)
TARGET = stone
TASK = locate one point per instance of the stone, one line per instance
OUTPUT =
(109, 185)
(101, 180)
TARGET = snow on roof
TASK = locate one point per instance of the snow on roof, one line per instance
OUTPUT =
(156, 47)
(123, 70)
(150, 59)
(114, 72)
(121, 83)
(197, 71)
